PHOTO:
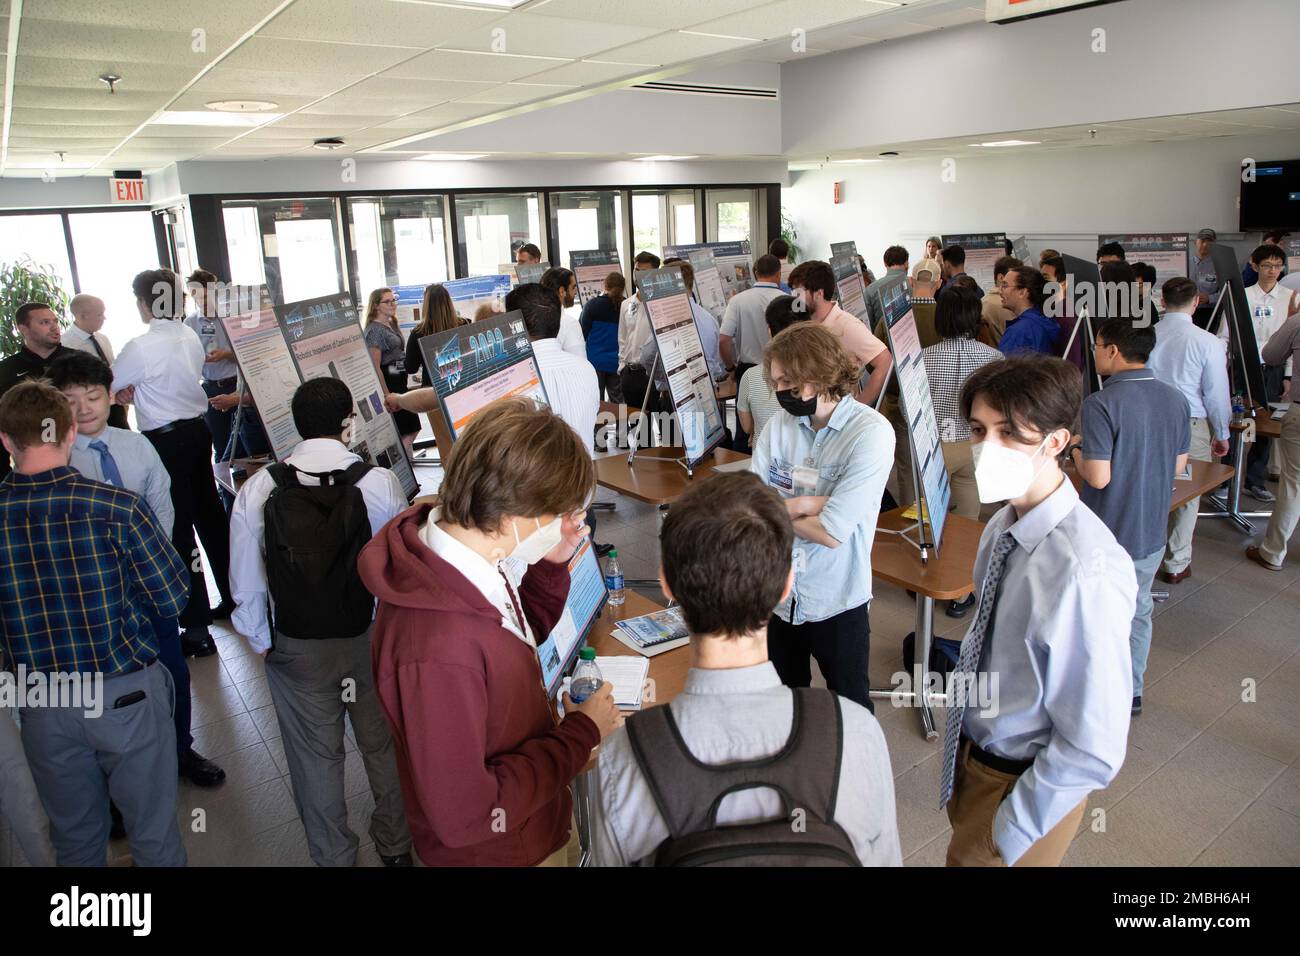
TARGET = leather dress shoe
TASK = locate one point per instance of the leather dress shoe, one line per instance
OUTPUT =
(1172, 578)
(197, 642)
(959, 608)
(402, 859)
(1254, 554)
(199, 770)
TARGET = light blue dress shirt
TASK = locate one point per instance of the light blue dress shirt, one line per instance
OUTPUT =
(707, 326)
(1194, 362)
(141, 469)
(1059, 649)
(850, 459)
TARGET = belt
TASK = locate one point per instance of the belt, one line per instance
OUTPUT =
(221, 382)
(172, 426)
(994, 762)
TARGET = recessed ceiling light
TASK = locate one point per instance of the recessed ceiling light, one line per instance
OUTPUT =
(889, 152)
(211, 118)
(241, 106)
(662, 159)
(1010, 142)
(328, 142)
(450, 157)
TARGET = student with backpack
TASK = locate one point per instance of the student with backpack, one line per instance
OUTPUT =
(739, 769)
(295, 532)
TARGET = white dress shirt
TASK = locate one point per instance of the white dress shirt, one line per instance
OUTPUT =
(383, 496)
(79, 339)
(633, 331)
(1058, 646)
(571, 388)
(571, 338)
(1268, 310)
(137, 462)
(165, 365)
(1193, 361)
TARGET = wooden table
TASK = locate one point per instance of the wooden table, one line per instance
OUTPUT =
(1265, 425)
(656, 477)
(1206, 476)
(946, 576)
(223, 472)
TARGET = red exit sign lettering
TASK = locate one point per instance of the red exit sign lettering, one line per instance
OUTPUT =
(127, 190)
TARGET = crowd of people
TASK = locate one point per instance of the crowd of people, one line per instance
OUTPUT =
(418, 624)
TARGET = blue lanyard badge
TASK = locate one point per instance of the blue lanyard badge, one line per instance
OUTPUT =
(779, 475)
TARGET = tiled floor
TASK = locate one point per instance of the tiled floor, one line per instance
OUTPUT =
(1211, 778)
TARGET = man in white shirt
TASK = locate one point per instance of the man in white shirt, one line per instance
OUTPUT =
(160, 371)
(564, 284)
(632, 333)
(84, 334)
(305, 670)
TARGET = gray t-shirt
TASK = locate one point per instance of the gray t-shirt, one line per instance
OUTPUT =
(1140, 425)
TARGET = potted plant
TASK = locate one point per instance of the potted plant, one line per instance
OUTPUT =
(26, 281)
(790, 235)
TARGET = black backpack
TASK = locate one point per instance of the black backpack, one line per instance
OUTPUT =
(313, 536)
(805, 772)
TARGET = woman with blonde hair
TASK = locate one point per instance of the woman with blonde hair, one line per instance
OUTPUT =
(384, 340)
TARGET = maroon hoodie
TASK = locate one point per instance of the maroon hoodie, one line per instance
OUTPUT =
(485, 767)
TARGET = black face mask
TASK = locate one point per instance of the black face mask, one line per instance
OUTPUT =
(798, 407)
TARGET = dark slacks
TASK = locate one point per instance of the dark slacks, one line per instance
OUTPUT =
(742, 440)
(172, 657)
(841, 645)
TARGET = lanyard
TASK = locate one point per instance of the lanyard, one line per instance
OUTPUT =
(514, 604)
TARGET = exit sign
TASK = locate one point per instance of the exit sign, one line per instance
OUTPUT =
(127, 190)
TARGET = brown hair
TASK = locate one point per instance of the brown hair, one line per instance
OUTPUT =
(372, 307)
(812, 276)
(726, 548)
(515, 458)
(1005, 265)
(437, 313)
(688, 272)
(1037, 391)
(485, 312)
(811, 355)
(616, 288)
(1178, 292)
(162, 290)
(29, 408)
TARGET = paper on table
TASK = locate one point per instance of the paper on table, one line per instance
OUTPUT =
(627, 673)
(741, 465)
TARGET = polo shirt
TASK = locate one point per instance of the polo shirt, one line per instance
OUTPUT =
(1030, 332)
(745, 321)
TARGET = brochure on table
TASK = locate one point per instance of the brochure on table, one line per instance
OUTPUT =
(918, 410)
(468, 294)
(323, 337)
(531, 272)
(470, 368)
(590, 267)
(1166, 252)
(708, 283)
(733, 259)
(682, 357)
(848, 283)
(983, 250)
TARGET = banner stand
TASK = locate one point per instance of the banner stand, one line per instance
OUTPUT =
(634, 434)
(922, 541)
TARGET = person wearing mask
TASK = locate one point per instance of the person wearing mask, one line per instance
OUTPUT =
(815, 288)
(755, 398)
(993, 313)
(528, 254)
(707, 327)
(437, 314)
(781, 249)
(895, 275)
(1136, 436)
(1110, 252)
(1018, 768)
(126, 459)
(305, 668)
(954, 265)
(388, 352)
(85, 335)
(829, 458)
(1205, 275)
(599, 324)
(38, 326)
(160, 372)
(1250, 275)
(484, 764)
(1270, 304)
(744, 327)
(1192, 361)
(726, 548)
(1023, 294)
(633, 330)
(564, 284)
(1283, 346)
(101, 570)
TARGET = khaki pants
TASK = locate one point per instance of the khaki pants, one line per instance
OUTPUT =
(1182, 522)
(977, 793)
(568, 855)
(1287, 510)
(893, 411)
(961, 478)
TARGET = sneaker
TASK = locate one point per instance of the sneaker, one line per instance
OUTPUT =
(959, 608)
(1137, 706)
(1261, 494)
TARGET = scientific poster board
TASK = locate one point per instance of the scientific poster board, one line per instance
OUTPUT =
(323, 338)
(1244, 367)
(848, 282)
(918, 411)
(531, 272)
(265, 363)
(590, 267)
(849, 248)
(410, 299)
(468, 294)
(708, 282)
(1166, 252)
(1292, 247)
(1020, 249)
(983, 250)
(733, 259)
(682, 355)
(1088, 308)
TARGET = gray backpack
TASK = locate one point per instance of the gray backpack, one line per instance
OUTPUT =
(805, 773)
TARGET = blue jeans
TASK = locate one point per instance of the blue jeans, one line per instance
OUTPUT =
(1139, 635)
(172, 657)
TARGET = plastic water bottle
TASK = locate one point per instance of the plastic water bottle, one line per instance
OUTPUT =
(614, 579)
(1238, 409)
(586, 676)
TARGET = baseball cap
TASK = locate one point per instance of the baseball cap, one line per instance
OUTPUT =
(1207, 234)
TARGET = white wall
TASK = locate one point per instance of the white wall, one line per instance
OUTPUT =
(1162, 58)
(1058, 198)
(31, 192)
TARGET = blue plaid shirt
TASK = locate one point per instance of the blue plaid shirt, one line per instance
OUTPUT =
(82, 565)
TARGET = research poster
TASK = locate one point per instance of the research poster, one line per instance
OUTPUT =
(917, 407)
(468, 294)
(848, 282)
(708, 283)
(410, 299)
(1020, 249)
(733, 259)
(248, 316)
(590, 267)
(682, 355)
(849, 248)
(325, 338)
(983, 250)
(1165, 252)
(1292, 247)
(531, 272)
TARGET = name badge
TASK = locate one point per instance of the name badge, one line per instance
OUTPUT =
(779, 476)
(1263, 312)
(806, 478)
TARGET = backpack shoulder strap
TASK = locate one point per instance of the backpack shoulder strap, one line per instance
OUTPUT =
(662, 757)
(354, 473)
(283, 474)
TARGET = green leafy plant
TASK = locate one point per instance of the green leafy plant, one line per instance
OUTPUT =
(790, 235)
(26, 281)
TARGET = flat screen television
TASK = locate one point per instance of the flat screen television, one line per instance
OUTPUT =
(1270, 198)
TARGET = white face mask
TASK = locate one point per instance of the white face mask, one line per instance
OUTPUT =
(538, 544)
(1002, 473)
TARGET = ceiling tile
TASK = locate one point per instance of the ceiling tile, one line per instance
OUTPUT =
(511, 94)
(433, 118)
(72, 133)
(673, 48)
(584, 73)
(25, 117)
(293, 56)
(492, 67)
(778, 19)
(405, 24)
(1282, 118)
(306, 120)
(56, 144)
(68, 73)
(35, 97)
(664, 14)
(95, 42)
(949, 18)
(169, 13)
(548, 36)
(780, 52)
(889, 29)
(434, 91)
(227, 83)
(837, 38)
(197, 99)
